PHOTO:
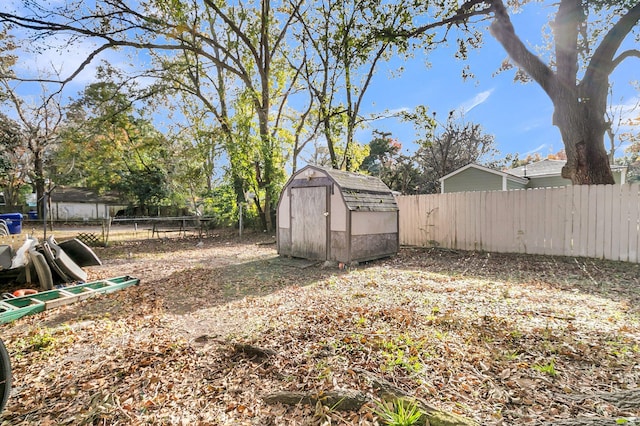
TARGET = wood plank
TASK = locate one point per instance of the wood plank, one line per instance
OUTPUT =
(408, 208)
(466, 203)
(625, 196)
(592, 221)
(569, 206)
(599, 192)
(446, 224)
(634, 222)
(556, 234)
(433, 218)
(503, 222)
(545, 223)
(525, 226)
(478, 221)
(472, 228)
(511, 221)
(507, 220)
(583, 215)
(490, 221)
(434, 204)
(615, 222)
(608, 222)
(460, 220)
(537, 215)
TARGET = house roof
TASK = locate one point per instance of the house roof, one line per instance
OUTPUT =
(540, 168)
(509, 176)
(545, 168)
(360, 192)
(69, 194)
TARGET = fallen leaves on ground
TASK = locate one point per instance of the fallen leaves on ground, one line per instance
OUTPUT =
(501, 339)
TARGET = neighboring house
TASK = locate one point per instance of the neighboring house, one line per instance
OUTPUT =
(71, 203)
(474, 177)
(547, 173)
(541, 174)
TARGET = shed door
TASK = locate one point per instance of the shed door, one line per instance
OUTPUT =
(309, 222)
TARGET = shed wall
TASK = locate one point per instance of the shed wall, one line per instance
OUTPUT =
(338, 217)
(284, 217)
(365, 223)
(375, 246)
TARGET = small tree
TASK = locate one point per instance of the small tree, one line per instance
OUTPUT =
(456, 145)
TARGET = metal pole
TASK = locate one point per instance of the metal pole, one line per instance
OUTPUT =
(240, 218)
(44, 212)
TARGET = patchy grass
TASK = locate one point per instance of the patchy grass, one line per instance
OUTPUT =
(501, 339)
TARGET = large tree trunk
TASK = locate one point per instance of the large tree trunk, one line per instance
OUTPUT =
(582, 131)
(579, 109)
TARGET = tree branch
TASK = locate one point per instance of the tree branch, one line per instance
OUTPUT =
(502, 29)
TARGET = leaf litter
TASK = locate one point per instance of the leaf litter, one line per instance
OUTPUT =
(215, 328)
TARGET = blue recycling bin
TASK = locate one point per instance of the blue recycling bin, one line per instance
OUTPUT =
(33, 215)
(14, 222)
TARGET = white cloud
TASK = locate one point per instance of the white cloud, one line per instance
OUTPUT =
(478, 99)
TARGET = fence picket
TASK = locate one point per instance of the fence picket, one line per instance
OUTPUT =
(598, 246)
(625, 195)
(616, 201)
(634, 222)
(608, 223)
(568, 193)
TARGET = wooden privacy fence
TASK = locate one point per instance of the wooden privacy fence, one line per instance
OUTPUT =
(601, 221)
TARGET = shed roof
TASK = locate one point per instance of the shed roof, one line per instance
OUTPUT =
(69, 194)
(360, 192)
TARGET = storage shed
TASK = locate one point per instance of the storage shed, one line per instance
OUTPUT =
(72, 203)
(328, 214)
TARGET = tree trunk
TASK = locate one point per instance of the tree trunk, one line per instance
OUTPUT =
(582, 131)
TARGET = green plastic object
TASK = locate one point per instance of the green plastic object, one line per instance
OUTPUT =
(18, 307)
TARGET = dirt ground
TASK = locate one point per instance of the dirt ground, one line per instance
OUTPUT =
(497, 339)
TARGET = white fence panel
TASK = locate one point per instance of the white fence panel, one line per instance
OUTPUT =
(601, 221)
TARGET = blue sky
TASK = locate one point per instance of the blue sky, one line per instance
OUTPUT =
(518, 115)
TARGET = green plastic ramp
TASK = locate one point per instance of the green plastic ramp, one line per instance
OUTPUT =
(17, 307)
